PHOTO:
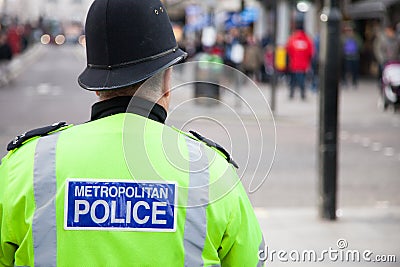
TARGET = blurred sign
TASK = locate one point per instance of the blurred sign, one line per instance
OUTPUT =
(242, 19)
(196, 18)
(249, 14)
(280, 58)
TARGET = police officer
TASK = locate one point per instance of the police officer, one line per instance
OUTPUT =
(124, 189)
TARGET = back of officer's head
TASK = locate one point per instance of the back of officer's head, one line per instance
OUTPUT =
(151, 89)
(127, 42)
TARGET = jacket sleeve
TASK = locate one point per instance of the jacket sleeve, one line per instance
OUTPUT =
(7, 247)
(243, 239)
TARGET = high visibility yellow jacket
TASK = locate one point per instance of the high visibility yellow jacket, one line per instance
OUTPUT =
(123, 191)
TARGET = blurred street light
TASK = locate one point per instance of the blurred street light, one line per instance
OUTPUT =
(82, 40)
(45, 39)
(60, 39)
(303, 6)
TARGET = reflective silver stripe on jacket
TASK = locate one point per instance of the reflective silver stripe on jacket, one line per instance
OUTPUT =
(196, 220)
(44, 228)
(261, 261)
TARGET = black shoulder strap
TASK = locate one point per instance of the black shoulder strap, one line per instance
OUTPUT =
(43, 131)
(211, 143)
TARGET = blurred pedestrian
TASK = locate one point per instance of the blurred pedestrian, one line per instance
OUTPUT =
(14, 39)
(252, 58)
(5, 58)
(299, 52)
(234, 50)
(218, 48)
(386, 48)
(315, 65)
(234, 54)
(266, 43)
(269, 61)
(124, 189)
(351, 49)
(26, 36)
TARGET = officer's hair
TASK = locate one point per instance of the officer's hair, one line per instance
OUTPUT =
(150, 89)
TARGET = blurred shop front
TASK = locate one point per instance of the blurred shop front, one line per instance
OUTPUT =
(203, 28)
(193, 16)
(369, 17)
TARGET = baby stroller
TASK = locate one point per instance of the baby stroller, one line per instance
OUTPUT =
(390, 88)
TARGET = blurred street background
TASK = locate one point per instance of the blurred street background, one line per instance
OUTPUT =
(45, 53)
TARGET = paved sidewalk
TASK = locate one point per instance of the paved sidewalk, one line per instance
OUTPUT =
(287, 204)
(358, 229)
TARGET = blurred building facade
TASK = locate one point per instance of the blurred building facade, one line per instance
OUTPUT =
(369, 18)
(366, 16)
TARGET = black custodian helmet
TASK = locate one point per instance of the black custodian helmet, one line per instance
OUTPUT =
(127, 41)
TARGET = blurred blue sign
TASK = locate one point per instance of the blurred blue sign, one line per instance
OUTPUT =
(196, 18)
(249, 14)
(242, 19)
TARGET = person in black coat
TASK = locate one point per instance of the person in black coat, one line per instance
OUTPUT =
(5, 58)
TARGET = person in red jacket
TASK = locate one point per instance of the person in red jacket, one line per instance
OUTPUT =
(14, 39)
(299, 51)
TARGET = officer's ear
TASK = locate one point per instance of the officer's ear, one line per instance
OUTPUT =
(167, 82)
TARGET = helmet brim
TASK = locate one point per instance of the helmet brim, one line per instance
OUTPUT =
(98, 79)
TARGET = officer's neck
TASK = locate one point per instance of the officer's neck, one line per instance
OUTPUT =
(164, 101)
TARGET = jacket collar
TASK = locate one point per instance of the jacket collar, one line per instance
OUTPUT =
(127, 104)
